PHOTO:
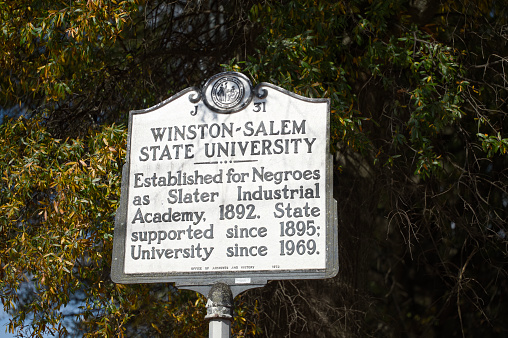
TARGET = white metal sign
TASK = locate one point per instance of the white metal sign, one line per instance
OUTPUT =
(231, 183)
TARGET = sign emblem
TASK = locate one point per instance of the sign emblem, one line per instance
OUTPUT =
(227, 92)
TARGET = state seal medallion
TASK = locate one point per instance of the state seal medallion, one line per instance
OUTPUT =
(227, 92)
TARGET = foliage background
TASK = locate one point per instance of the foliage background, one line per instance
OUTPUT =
(419, 120)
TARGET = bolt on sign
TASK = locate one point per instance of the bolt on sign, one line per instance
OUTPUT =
(229, 183)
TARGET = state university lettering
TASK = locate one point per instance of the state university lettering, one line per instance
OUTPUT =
(229, 149)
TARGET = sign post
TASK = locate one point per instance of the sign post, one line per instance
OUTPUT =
(229, 184)
(219, 310)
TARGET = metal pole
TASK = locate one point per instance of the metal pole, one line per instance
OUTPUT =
(219, 310)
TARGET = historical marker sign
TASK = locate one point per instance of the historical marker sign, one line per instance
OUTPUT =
(231, 183)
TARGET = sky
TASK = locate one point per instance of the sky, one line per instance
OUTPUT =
(4, 322)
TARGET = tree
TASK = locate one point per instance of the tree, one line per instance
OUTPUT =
(419, 130)
(418, 127)
(74, 62)
(75, 68)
